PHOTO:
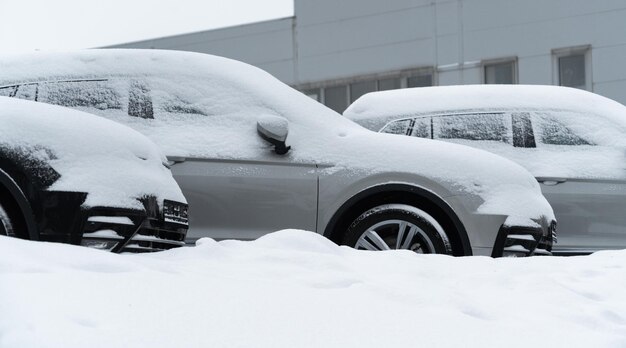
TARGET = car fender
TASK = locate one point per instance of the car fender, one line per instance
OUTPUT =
(331, 212)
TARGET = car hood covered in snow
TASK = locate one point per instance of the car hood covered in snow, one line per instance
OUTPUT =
(114, 164)
(229, 96)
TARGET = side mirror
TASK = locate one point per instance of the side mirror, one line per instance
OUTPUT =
(274, 129)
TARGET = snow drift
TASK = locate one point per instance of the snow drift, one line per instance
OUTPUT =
(297, 289)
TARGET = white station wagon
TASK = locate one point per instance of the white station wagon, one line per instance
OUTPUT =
(572, 141)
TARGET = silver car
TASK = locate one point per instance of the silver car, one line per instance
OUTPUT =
(253, 156)
(573, 141)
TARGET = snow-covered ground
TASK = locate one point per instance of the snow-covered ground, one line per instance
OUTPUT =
(297, 289)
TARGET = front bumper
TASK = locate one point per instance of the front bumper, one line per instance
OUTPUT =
(127, 230)
(516, 241)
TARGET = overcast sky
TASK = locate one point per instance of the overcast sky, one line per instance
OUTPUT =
(67, 24)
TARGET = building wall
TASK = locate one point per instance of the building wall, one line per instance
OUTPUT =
(331, 42)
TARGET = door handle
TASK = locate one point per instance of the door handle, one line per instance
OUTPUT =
(551, 181)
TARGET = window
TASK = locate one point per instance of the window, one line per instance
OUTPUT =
(422, 127)
(7, 91)
(553, 132)
(360, 88)
(572, 71)
(500, 72)
(96, 94)
(391, 83)
(572, 67)
(523, 135)
(398, 127)
(313, 94)
(28, 91)
(139, 100)
(178, 105)
(417, 127)
(336, 98)
(421, 80)
(492, 126)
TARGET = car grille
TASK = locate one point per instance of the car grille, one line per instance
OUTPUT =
(123, 230)
(516, 241)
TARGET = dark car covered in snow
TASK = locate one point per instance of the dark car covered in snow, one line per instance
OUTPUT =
(70, 177)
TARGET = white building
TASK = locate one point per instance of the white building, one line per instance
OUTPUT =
(337, 50)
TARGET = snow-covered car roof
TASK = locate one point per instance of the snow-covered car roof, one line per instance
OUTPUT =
(374, 110)
(112, 163)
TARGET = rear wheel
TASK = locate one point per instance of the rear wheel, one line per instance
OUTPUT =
(398, 226)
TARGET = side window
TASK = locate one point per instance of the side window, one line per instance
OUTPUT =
(7, 91)
(422, 127)
(416, 127)
(26, 91)
(487, 126)
(97, 94)
(178, 105)
(398, 127)
(184, 99)
(554, 132)
(523, 135)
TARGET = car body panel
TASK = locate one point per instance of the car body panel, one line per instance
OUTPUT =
(590, 212)
(247, 199)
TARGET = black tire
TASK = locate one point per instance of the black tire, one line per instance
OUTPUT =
(398, 226)
(6, 225)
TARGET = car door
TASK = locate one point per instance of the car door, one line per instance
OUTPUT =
(586, 185)
(245, 199)
(236, 186)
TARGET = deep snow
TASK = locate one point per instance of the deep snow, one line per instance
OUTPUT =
(297, 289)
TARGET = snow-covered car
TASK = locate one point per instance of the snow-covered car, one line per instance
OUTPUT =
(253, 155)
(572, 141)
(72, 177)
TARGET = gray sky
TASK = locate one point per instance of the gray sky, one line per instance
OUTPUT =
(67, 24)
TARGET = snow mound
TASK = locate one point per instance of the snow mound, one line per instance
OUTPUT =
(295, 289)
(113, 163)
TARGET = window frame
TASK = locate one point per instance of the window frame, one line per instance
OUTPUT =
(584, 50)
(484, 64)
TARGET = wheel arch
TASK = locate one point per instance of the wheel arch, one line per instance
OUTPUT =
(400, 193)
(16, 197)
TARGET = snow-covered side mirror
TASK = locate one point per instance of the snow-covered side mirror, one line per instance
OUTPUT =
(274, 129)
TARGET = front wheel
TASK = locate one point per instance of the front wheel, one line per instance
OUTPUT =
(398, 226)
(6, 226)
